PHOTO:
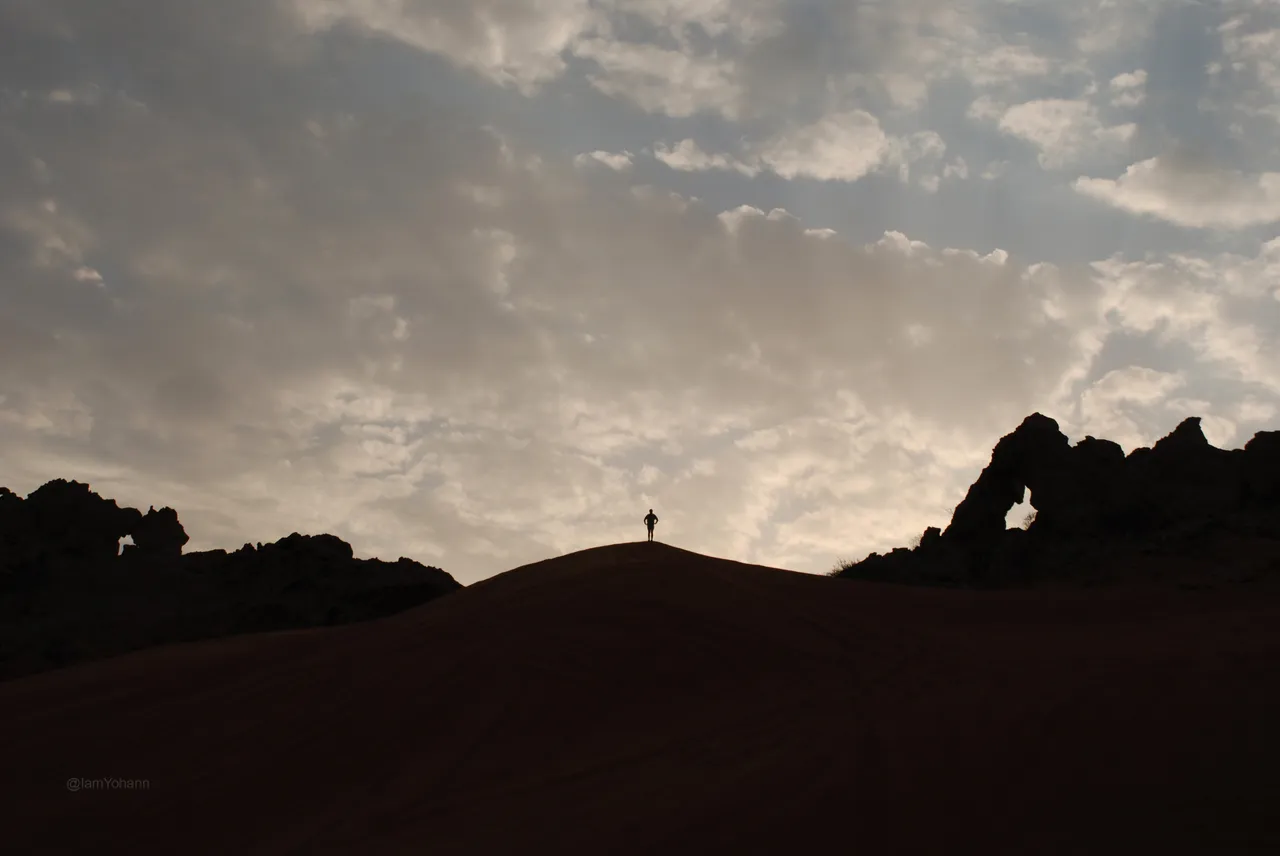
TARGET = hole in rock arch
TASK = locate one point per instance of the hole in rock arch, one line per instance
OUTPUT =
(1016, 518)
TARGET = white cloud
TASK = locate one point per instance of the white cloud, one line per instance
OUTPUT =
(902, 152)
(842, 146)
(1103, 27)
(905, 90)
(1208, 304)
(838, 147)
(1003, 64)
(746, 21)
(1190, 191)
(1065, 131)
(87, 274)
(511, 43)
(1251, 45)
(687, 156)
(1106, 406)
(1128, 89)
(660, 80)
(987, 108)
(617, 161)
(1253, 410)
(956, 169)
(995, 169)
(919, 43)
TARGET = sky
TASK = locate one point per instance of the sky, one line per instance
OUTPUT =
(479, 282)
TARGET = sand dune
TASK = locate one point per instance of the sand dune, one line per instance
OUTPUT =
(642, 699)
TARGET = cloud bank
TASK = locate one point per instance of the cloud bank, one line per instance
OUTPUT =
(477, 283)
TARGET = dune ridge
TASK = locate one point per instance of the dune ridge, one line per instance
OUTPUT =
(638, 698)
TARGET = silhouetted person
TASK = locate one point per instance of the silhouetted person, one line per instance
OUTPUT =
(649, 520)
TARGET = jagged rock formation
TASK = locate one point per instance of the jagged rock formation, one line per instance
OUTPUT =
(159, 533)
(66, 596)
(1101, 514)
(65, 521)
(62, 520)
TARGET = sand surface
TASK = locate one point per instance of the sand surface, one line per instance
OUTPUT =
(638, 699)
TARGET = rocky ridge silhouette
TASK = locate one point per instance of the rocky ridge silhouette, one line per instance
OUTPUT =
(69, 594)
(1181, 511)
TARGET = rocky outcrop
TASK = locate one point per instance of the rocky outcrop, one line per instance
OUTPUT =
(63, 520)
(1033, 456)
(1095, 507)
(309, 549)
(1261, 480)
(66, 596)
(159, 534)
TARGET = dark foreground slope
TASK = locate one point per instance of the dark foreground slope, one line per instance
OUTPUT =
(66, 596)
(639, 699)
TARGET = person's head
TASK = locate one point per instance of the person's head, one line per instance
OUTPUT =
(651, 511)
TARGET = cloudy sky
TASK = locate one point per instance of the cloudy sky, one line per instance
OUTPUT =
(481, 281)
